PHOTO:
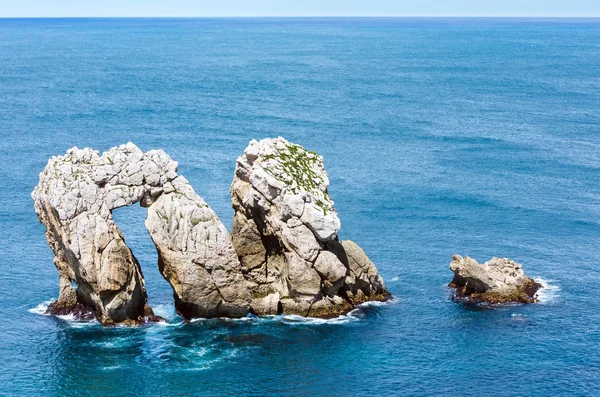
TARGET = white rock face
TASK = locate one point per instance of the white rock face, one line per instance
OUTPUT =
(196, 256)
(285, 232)
(497, 280)
(74, 199)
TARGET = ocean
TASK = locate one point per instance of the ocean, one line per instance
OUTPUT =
(440, 136)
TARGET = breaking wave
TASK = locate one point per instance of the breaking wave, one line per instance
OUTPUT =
(549, 291)
(173, 320)
(41, 308)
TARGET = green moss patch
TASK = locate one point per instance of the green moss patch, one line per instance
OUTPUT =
(292, 164)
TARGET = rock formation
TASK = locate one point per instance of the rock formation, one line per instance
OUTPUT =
(499, 280)
(285, 232)
(196, 256)
(74, 199)
(287, 256)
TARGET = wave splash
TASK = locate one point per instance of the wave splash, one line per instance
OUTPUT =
(549, 291)
(173, 320)
(40, 309)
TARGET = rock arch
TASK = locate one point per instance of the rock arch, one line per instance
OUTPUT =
(74, 199)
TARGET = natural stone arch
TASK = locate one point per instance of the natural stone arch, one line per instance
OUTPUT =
(74, 200)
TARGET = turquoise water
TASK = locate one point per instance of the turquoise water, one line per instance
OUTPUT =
(478, 137)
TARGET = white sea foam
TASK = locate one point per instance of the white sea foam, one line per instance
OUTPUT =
(168, 324)
(109, 344)
(111, 368)
(378, 303)
(549, 291)
(202, 351)
(79, 324)
(352, 316)
(207, 364)
(294, 319)
(41, 308)
(394, 279)
(165, 311)
(227, 319)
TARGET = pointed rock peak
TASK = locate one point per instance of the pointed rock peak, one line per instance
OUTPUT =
(294, 180)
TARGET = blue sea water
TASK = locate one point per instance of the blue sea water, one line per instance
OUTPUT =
(440, 136)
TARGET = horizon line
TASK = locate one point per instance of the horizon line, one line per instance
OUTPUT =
(303, 16)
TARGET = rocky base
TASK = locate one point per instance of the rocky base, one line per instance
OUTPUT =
(379, 297)
(327, 308)
(138, 321)
(524, 294)
(347, 307)
(80, 312)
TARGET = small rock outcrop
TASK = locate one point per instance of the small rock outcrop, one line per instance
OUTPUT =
(74, 199)
(285, 232)
(500, 280)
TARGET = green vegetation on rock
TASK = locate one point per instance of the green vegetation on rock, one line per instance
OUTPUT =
(296, 164)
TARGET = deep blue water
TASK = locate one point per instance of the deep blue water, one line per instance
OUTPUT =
(479, 137)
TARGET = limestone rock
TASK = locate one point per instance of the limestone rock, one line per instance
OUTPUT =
(499, 280)
(74, 199)
(285, 232)
(196, 256)
(283, 256)
(363, 282)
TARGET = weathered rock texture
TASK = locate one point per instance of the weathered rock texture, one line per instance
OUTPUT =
(74, 199)
(285, 232)
(196, 256)
(287, 256)
(499, 280)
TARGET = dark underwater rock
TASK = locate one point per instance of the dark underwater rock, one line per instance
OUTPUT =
(79, 311)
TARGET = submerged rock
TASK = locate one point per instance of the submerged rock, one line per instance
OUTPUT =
(74, 199)
(78, 311)
(285, 232)
(500, 280)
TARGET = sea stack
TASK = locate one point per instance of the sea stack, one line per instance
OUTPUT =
(97, 270)
(285, 232)
(499, 280)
